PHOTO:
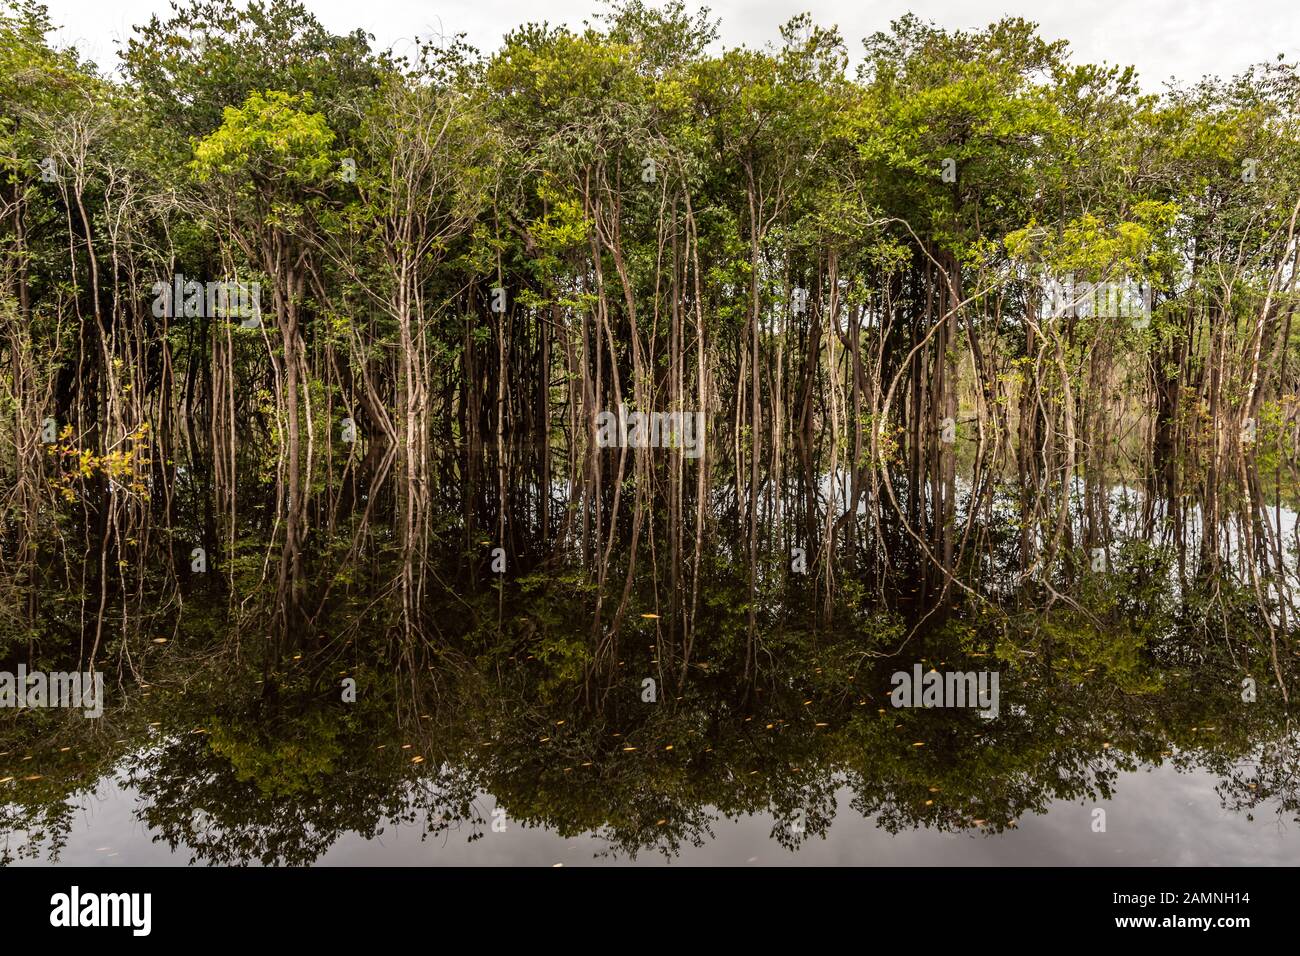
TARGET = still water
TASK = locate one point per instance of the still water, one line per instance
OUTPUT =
(1158, 817)
(701, 704)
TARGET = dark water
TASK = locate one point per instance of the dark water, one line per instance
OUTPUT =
(1140, 716)
(794, 772)
(1157, 816)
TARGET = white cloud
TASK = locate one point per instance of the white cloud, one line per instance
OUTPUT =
(1163, 38)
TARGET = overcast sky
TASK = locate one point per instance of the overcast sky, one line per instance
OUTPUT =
(1162, 38)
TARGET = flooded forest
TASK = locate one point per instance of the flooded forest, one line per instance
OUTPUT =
(573, 437)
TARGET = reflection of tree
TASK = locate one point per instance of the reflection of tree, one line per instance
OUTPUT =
(1122, 675)
(281, 782)
(45, 829)
(280, 786)
(1270, 775)
(69, 757)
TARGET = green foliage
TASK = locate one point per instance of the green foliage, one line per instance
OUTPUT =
(272, 136)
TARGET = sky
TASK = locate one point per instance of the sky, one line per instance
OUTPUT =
(1180, 39)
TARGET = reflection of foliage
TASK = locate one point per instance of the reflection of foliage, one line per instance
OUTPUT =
(280, 761)
(1272, 774)
(279, 777)
(280, 783)
(50, 762)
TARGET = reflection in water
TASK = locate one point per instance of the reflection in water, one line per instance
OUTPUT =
(1161, 818)
(713, 716)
